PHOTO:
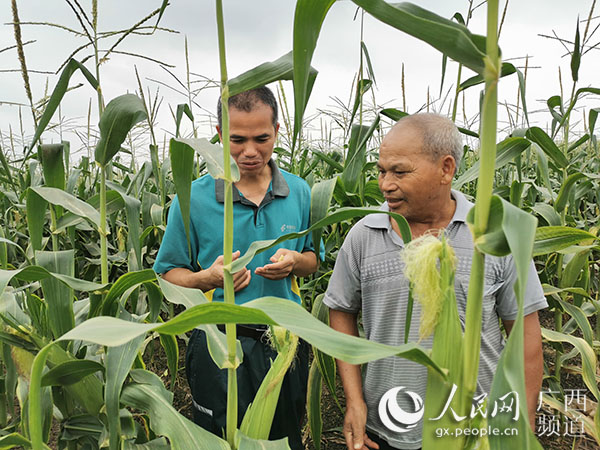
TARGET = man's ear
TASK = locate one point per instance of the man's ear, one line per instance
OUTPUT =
(276, 129)
(448, 168)
(219, 132)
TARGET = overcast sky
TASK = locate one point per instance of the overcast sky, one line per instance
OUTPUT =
(259, 31)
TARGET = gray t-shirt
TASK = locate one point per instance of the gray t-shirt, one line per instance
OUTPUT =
(368, 276)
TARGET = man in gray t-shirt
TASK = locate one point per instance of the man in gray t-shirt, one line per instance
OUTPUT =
(417, 162)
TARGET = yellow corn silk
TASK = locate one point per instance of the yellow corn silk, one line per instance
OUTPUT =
(420, 258)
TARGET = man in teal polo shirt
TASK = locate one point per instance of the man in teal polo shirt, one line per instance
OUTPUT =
(267, 202)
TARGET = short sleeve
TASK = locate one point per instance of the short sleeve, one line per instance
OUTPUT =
(344, 289)
(506, 300)
(173, 251)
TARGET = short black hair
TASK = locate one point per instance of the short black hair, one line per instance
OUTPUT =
(247, 100)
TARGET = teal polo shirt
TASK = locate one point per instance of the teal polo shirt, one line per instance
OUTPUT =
(284, 209)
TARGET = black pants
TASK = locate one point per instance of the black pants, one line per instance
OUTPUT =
(383, 444)
(208, 384)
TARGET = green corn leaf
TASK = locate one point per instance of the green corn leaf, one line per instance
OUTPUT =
(573, 268)
(37, 273)
(308, 20)
(592, 117)
(124, 283)
(362, 87)
(133, 209)
(392, 113)
(212, 155)
(565, 191)
(280, 69)
(169, 344)
(182, 166)
(216, 340)
(506, 151)
(519, 231)
(589, 363)
(57, 95)
(71, 372)
(576, 55)
(118, 118)
(450, 38)
(550, 290)
(69, 202)
(507, 69)
(579, 316)
(58, 296)
(111, 331)
(147, 393)
(538, 136)
(320, 199)
(35, 210)
(313, 404)
(582, 140)
(548, 213)
(555, 238)
(356, 157)
(243, 442)
(13, 440)
(118, 364)
(326, 363)
(340, 215)
(51, 156)
(181, 109)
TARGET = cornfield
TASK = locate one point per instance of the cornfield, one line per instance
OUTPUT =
(84, 317)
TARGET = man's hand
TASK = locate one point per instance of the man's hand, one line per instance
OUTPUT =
(214, 274)
(354, 428)
(283, 263)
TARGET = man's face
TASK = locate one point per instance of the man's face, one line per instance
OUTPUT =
(252, 138)
(409, 179)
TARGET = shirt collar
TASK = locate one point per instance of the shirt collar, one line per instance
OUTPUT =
(463, 206)
(279, 186)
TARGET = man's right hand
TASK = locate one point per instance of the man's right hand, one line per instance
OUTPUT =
(354, 428)
(241, 279)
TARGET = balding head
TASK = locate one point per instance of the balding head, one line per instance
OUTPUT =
(439, 134)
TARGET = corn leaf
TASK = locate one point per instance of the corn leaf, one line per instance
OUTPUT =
(565, 191)
(589, 363)
(506, 151)
(70, 203)
(280, 69)
(35, 210)
(452, 39)
(111, 331)
(246, 443)
(308, 19)
(320, 199)
(313, 404)
(169, 345)
(537, 135)
(58, 295)
(216, 340)
(124, 283)
(519, 230)
(37, 273)
(147, 393)
(337, 216)
(14, 440)
(71, 372)
(118, 364)
(51, 156)
(181, 109)
(118, 118)
(57, 94)
(555, 238)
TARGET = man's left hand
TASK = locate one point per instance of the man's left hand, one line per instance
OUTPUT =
(283, 263)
